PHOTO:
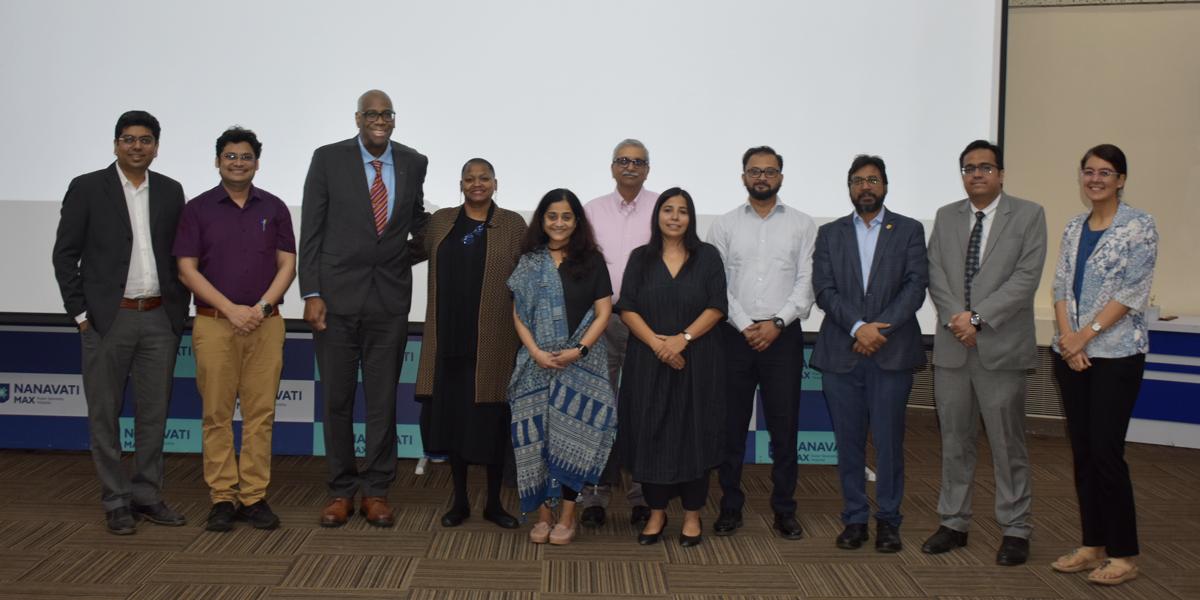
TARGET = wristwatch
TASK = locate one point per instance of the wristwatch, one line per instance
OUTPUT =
(1096, 326)
(779, 324)
(583, 350)
(687, 337)
(976, 321)
(267, 308)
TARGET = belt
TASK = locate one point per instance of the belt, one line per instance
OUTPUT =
(205, 311)
(141, 304)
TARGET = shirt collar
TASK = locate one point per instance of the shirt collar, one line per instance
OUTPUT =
(874, 222)
(223, 194)
(126, 183)
(749, 208)
(368, 157)
(987, 210)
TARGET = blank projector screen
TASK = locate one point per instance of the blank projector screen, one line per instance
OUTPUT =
(543, 89)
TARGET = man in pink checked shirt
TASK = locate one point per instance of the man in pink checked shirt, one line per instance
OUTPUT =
(621, 222)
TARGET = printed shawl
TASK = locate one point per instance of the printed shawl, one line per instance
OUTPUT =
(563, 422)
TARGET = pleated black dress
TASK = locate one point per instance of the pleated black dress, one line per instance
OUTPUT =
(671, 423)
(451, 421)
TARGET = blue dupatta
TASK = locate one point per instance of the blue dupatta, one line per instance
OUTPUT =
(563, 422)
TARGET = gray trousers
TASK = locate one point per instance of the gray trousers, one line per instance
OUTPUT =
(141, 347)
(963, 395)
(616, 335)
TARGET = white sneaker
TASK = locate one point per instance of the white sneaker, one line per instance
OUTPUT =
(420, 470)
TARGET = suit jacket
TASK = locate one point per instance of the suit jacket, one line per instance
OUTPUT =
(895, 291)
(340, 254)
(498, 341)
(95, 240)
(1002, 291)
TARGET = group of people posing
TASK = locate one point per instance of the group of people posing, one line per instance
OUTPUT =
(605, 339)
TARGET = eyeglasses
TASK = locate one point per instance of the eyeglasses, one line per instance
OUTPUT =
(984, 169)
(374, 115)
(232, 156)
(1101, 173)
(756, 173)
(129, 140)
(625, 161)
(872, 180)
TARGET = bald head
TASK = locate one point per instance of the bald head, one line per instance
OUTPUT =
(370, 95)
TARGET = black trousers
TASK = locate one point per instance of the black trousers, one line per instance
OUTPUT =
(778, 371)
(692, 494)
(1099, 402)
(374, 341)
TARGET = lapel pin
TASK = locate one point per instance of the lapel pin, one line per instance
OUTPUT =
(888, 226)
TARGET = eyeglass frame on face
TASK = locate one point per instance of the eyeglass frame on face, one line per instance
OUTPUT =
(857, 181)
(244, 157)
(625, 161)
(757, 173)
(984, 168)
(372, 116)
(1089, 173)
(129, 140)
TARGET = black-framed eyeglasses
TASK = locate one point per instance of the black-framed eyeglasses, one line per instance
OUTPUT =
(374, 115)
(872, 180)
(129, 140)
(625, 161)
(756, 173)
(985, 169)
(1102, 173)
(232, 156)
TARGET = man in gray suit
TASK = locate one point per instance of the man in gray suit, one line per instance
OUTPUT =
(362, 198)
(985, 261)
(869, 276)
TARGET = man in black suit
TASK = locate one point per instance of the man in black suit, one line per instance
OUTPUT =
(362, 198)
(112, 258)
(869, 275)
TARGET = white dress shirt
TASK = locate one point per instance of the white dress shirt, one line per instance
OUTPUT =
(768, 263)
(989, 212)
(142, 281)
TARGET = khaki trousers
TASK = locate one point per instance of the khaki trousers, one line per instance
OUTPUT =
(229, 368)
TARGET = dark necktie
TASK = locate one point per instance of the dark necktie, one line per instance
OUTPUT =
(379, 198)
(972, 256)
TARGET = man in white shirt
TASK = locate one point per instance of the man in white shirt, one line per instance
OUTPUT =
(621, 222)
(767, 248)
(112, 258)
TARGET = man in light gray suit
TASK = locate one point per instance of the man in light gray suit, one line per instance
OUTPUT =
(985, 261)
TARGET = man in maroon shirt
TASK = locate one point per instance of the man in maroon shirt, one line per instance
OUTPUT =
(237, 253)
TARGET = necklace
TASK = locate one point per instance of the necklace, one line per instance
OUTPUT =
(477, 233)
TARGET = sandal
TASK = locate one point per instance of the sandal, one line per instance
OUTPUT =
(1098, 577)
(1074, 562)
(540, 534)
(562, 535)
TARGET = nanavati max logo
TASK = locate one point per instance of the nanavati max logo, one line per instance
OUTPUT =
(3, 393)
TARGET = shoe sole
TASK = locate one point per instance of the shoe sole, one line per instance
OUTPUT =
(888, 549)
(129, 531)
(850, 545)
(1085, 566)
(725, 532)
(1129, 575)
(162, 522)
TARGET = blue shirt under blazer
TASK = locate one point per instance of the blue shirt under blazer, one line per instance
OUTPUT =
(895, 291)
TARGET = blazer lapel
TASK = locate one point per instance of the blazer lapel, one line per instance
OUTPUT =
(116, 196)
(1001, 218)
(881, 243)
(850, 241)
(401, 176)
(358, 181)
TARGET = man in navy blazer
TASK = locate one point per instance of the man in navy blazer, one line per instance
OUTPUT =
(869, 276)
(112, 258)
(362, 199)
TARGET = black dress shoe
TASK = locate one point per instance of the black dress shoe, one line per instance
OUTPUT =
(787, 526)
(455, 516)
(728, 522)
(501, 518)
(120, 521)
(159, 513)
(887, 537)
(1013, 551)
(220, 517)
(649, 539)
(944, 540)
(259, 515)
(593, 516)
(639, 515)
(853, 536)
(687, 541)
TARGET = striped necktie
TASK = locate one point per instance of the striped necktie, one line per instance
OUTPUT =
(379, 198)
(973, 256)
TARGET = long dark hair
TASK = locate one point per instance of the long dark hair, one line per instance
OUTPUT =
(581, 248)
(691, 240)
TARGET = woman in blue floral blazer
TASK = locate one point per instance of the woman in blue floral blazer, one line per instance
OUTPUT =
(1101, 289)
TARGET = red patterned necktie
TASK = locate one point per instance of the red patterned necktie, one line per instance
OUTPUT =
(379, 198)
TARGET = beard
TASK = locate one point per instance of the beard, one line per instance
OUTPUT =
(867, 203)
(762, 194)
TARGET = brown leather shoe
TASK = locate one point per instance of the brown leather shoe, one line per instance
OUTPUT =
(377, 511)
(337, 512)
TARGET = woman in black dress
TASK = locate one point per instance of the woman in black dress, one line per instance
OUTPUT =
(671, 413)
(469, 343)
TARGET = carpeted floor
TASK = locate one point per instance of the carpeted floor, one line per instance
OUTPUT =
(53, 543)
